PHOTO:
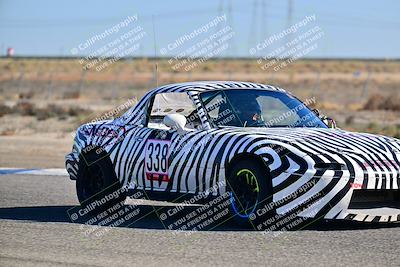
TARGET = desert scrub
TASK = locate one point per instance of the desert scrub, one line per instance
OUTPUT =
(380, 102)
(26, 108)
(4, 109)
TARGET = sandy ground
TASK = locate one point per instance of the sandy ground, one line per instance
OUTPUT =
(35, 151)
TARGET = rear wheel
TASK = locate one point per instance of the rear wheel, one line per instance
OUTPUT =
(97, 183)
(249, 189)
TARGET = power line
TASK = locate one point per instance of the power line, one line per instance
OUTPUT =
(263, 21)
(155, 52)
(230, 22)
(84, 22)
(252, 30)
(289, 19)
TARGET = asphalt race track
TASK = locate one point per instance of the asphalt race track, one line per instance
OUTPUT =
(35, 230)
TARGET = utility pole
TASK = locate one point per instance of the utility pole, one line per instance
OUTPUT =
(252, 31)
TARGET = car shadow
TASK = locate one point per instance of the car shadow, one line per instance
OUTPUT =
(149, 218)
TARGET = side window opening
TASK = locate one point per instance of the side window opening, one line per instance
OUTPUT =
(172, 103)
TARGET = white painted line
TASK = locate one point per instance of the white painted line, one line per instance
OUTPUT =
(45, 172)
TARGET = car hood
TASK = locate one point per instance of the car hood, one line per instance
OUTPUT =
(328, 141)
(332, 149)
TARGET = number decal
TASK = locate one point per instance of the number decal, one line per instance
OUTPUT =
(156, 160)
(150, 151)
(157, 155)
(164, 158)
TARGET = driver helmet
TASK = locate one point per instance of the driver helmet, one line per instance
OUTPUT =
(248, 110)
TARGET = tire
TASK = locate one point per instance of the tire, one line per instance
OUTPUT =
(250, 189)
(97, 182)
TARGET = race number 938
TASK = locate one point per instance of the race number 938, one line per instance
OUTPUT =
(156, 160)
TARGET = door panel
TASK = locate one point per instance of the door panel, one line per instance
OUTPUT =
(157, 158)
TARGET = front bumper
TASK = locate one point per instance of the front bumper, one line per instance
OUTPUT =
(373, 205)
(378, 215)
(370, 199)
(71, 164)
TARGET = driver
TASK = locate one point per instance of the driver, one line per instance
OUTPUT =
(250, 114)
(248, 111)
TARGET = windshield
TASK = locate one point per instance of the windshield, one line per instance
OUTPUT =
(257, 108)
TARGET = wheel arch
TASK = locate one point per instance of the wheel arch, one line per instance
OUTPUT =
(245, 156)
(91, 154)
(99, 157)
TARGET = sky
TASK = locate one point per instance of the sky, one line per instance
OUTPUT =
(350, 29)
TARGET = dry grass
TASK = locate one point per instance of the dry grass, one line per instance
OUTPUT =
(4, 109)
(26, 95)
(343, 89)
(71, 95)
(26, 108)
(380, 102)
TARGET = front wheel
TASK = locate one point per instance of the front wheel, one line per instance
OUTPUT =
(249, 189)
(97, 184)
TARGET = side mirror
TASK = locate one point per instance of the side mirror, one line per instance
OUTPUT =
(331, 123)
(175, 121)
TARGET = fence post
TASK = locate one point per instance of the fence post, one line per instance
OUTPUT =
(364, 92)
(317, 84)
(50, 85)
(20, 78)
(81, 81)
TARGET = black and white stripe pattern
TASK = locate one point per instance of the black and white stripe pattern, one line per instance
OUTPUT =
(198, 159)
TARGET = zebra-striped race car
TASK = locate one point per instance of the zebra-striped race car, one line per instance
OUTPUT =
(259, 145)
